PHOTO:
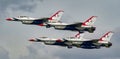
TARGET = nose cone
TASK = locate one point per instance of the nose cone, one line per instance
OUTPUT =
(32, 40)
(9, 19)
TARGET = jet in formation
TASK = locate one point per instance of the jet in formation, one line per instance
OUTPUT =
(80, 26)
(78, 41)
(54, 21)
(38, 21)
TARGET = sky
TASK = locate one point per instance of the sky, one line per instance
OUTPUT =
(14, 36)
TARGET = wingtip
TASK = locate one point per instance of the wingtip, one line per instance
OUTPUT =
(110, 31)
(60, 11)
(94, 16)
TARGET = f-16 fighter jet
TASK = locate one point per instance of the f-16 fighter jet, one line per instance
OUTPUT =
(54, 21)
(80, 26)
(38, 21)
(78, 41)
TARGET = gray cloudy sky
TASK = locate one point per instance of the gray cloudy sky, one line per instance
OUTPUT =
(14, 36)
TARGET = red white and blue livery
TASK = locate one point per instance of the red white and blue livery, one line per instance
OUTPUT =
(38, 21)
(80, 26)
(78, 41)
(54, 21)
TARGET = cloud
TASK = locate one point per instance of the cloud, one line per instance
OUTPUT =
(14, 35)
(24, 5)
(35, 53)
(4, 54)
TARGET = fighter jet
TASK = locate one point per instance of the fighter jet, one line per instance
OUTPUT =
(38, 21)
(80, 26)
(54, 21)
(78, 41)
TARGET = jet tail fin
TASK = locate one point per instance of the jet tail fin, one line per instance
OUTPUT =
(57, 16)
(79, 35)
(90, 21)
(106, 38)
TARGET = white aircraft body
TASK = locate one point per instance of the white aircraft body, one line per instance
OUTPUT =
(80, 26)
(38, 21)
(54, 21)
(78, 41)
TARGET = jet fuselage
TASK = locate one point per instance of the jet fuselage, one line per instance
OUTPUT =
(90, 44)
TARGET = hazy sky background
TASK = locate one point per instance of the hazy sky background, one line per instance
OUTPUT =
(14, 36)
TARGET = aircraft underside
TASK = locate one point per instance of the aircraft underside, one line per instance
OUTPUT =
(73, 28)
(84, 45)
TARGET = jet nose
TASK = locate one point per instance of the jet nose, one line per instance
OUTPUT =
(9, 19)
(32, 40)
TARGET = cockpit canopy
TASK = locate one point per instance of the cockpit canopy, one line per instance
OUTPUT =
(43, 37)
(22, 16)
(71, 37)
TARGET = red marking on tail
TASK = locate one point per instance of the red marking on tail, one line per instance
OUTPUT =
(104, 36)
(77, 35)
(84, 23)
(55, 14)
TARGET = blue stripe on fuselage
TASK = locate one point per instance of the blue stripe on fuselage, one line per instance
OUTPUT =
(59, 43)
(71, 28)
(88, 45)
(37, 22)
